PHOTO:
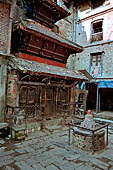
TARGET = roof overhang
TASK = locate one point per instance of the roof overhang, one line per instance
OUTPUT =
(40, 41)
(44, 69)
(86, 74)
(48, 12)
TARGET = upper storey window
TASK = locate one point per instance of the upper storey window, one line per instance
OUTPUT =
(97, 31)
(96, 3)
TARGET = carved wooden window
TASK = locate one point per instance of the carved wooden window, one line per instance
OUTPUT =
(23, 96)
(31, 95)
(97, 31)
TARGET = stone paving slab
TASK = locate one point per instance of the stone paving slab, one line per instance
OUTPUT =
(24, 166)
(6, 160)
(8, 168)
(50, 151)
(38, 167)
(52, 167)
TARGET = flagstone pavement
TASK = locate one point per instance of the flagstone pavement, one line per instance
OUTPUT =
(49, 150)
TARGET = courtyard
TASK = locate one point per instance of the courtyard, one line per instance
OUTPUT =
(49, 150)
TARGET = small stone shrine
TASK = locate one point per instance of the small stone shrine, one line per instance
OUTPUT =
(84, 138)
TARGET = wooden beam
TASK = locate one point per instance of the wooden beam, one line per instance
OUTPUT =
(42, 60)
(42, 84)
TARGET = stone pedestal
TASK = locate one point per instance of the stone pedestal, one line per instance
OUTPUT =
(18, 133)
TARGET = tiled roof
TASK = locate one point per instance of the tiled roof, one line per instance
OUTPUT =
(25, 65)
(36, 27)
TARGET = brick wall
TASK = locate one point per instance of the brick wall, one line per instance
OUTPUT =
(4, 26)
(12, 89)
(66, 27)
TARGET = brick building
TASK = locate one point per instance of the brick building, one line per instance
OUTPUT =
(93, 28)
(6, 15)
(37, 77)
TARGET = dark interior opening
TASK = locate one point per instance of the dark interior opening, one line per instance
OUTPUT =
(96, 3)
(106, 99)
(97, 27)
(91, 97)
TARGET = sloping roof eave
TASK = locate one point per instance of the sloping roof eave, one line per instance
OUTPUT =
(31, 25)
(25, 66)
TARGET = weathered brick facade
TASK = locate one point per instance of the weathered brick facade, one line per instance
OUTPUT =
(66, 28)
(4, 26)
(6, 14)
(12, 89)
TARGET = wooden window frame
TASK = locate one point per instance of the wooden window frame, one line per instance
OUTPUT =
(97, 33)
(97, 56)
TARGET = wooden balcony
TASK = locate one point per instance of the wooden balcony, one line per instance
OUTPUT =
(47, 12)
(33, 39)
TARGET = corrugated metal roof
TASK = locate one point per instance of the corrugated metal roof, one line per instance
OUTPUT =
(30, 24)
(25, 65)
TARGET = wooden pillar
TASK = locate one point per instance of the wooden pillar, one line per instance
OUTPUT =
(97, 100)
(72, 96)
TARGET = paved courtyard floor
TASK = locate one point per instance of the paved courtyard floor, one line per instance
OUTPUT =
(49, 150)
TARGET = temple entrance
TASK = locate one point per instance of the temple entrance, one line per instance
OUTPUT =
(47, 96)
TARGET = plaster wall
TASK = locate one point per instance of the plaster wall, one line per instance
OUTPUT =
(87, 16)
(82, 60)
